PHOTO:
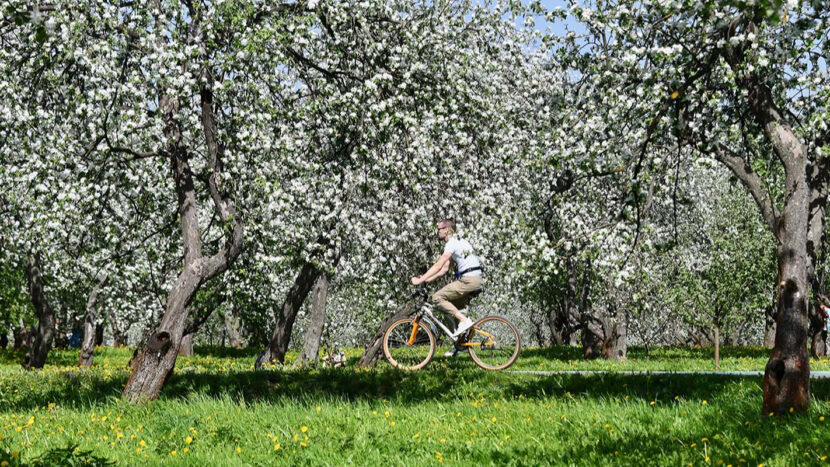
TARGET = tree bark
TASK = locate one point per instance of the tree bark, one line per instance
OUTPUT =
(615, 339)
(278, 345)
(818, 334)
(45, 334)
(374, 348)
(769, 326)
(88, 343)
(186, 347)
(716, 332)
(309, 356)
(232, 326)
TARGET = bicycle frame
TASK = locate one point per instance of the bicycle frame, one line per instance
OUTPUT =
(426, 310)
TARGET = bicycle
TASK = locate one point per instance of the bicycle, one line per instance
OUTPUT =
(409, 344)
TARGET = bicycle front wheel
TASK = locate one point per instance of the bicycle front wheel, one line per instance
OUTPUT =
(409, 345)
(493, 343)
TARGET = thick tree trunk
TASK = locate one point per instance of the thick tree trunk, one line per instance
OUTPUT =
(592, 337)
(278, 345)
(309, 356)
(374, 348)
(232, 326)
(798, 230)
(716, 332)
(88, 342)
(558, 322)
(615, 340)
(186, 347)
(45, 334)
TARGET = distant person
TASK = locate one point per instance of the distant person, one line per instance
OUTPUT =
(468, 276)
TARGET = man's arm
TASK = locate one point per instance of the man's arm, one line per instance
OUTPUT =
(437, 270)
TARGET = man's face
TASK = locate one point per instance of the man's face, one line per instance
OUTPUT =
(442, 231)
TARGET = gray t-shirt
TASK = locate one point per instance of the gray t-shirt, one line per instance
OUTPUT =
(462, 254)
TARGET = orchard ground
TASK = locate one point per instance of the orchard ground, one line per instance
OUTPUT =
(216, 410)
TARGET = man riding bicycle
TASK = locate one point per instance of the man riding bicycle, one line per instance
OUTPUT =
(468, 275)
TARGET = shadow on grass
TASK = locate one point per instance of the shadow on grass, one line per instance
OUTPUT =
(450, 379)
(574, 353)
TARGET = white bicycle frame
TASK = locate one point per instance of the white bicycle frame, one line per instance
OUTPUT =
(426, 310)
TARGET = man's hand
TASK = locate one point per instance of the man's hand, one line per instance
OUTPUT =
(416, 280)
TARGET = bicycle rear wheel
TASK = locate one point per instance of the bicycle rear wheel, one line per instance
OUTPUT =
(493, 343)
(409, 345)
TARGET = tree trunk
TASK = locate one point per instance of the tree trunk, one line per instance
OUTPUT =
(374, 348)
(88, 343)
(154, 362)
(592, 337)
(798, 229)
(36, 357)
(716, 331)
(278, 345)
(309, 355)
(615, 340)
(818, 333)
(232, 329)
(99, 335)
(537, 318)
(186, 347)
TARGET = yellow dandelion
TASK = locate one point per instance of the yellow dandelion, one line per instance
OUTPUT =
(493, 419)
(704, 402)
(392, 423)
(303, 428)
(142, 443)
(821, 419)
(705, 440)
(238, 450)
(277, 447)
(188, 440)
(4, 464)
(607, 426)
(173, 453)
(387, 414)
(186, 450)
(319, 408)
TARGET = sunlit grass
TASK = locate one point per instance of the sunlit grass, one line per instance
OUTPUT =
(216, 410)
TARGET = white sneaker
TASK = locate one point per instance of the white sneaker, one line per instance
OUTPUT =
(452, 352)
(463, 326)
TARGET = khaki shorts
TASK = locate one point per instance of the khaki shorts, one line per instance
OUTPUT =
(455, 294)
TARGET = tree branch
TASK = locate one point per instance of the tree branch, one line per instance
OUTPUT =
(751, 181)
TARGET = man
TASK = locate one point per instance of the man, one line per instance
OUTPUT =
(468, 276)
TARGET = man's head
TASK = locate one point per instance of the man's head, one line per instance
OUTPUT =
(446, 228)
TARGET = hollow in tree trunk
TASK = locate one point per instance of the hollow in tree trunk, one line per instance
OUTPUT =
(309, 356)
(88, 342)
(45, 334)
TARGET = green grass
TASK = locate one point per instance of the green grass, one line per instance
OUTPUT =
(451, 412)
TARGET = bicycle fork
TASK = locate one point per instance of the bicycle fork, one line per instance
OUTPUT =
(415, 322)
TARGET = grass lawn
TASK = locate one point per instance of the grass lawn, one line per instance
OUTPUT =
(216, 410)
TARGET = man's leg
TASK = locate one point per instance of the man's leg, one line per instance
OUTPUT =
(457, 292)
